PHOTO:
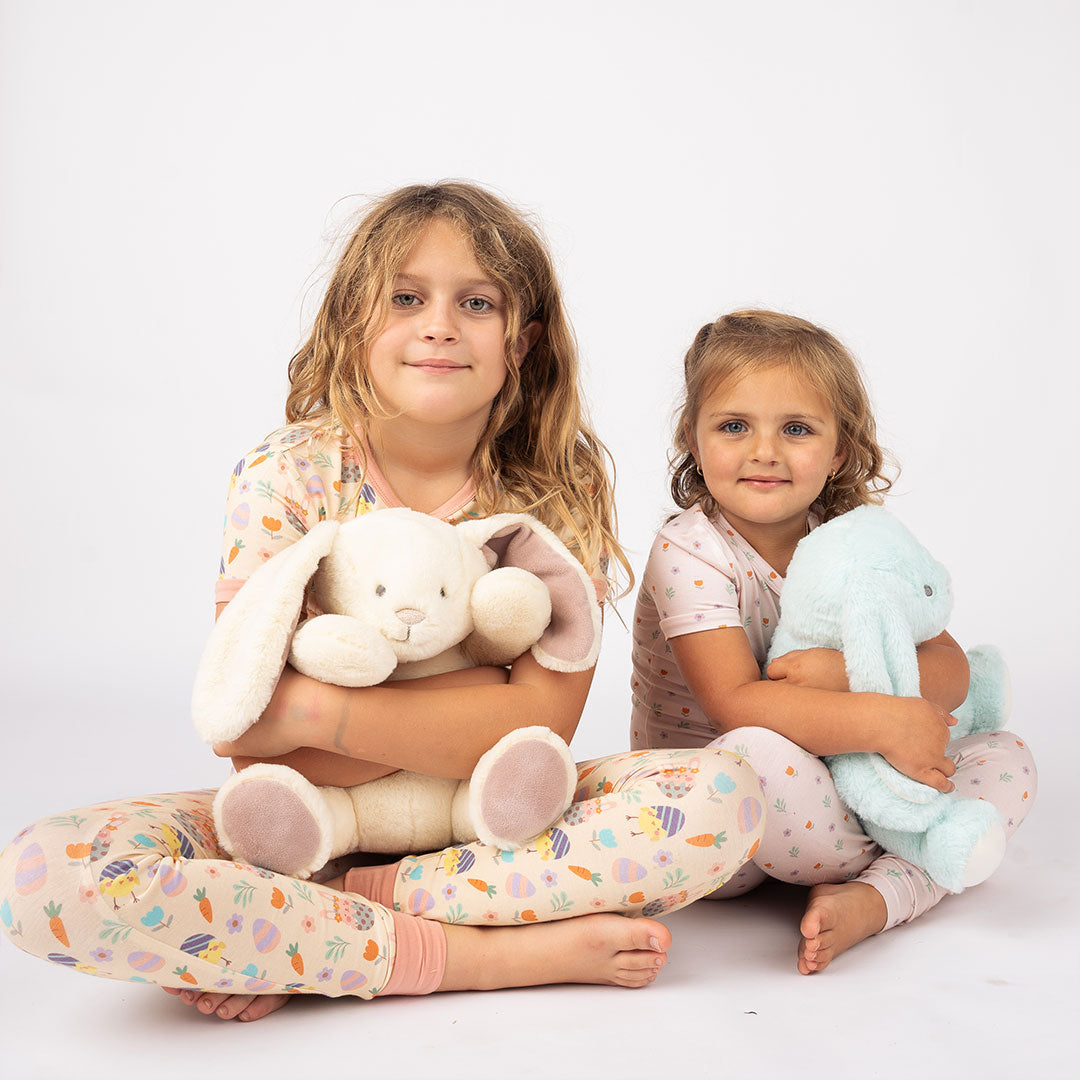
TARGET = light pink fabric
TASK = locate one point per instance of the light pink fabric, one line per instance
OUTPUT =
(420, 956)
(811, 837)
(701, 575)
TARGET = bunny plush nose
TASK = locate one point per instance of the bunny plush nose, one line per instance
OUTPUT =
(410, 615)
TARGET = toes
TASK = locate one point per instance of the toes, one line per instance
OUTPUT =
(209, 1002)
(634, 978)
(647, 934)
(234, 1005)
(264, 1005)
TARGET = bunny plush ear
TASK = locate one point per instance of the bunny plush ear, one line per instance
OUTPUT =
(249, 644)
(571, 641)
(879, 650)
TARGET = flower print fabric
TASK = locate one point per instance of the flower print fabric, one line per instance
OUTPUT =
(701, 575)
(139, 889)
(298, 476)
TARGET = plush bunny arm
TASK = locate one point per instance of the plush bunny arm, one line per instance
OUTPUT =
(246, 651)
(571, 639)
(989, 699)
(511, 609)
(341, 650)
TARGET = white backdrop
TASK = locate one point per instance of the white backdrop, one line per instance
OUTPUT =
(173, 174)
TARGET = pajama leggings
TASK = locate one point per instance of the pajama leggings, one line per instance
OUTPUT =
(811, 837)
(139, 889)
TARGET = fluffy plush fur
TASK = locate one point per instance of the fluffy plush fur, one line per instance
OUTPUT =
(404, 595)
(863, 584)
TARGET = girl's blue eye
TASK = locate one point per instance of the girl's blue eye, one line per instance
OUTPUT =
(797, 429)
(478, 304)
(406, 299)
(733, 427)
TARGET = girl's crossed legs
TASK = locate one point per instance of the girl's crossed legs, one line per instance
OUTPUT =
(139, 889)
(813, 839)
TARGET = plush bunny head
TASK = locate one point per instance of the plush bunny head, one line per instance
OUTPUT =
(402, 587)
(408, 575)
(863, 584)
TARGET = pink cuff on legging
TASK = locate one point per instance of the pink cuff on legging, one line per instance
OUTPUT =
(420, 956)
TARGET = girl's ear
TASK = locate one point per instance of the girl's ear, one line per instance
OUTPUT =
(688, 431)
(838, 460)
(528, 337)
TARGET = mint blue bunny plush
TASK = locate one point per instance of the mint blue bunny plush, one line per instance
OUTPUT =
(861, 583)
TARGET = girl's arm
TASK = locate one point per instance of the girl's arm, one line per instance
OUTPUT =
(324, 767)
(722, 675)
(943, 670)
(440, 728)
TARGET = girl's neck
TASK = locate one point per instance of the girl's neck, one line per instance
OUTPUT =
(774, 542)
(424, 465)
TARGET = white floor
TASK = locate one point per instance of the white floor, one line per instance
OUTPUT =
(984, 986)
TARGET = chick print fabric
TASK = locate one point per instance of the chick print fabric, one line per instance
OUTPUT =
(296, 477)
(139, 889)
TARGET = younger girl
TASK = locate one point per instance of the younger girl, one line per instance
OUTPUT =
(776, 437)
(440, 374)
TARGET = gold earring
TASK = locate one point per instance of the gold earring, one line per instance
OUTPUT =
(699, 472)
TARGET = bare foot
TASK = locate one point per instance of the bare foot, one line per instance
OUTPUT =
(231, 1006)
(607, 949)
(837, 917)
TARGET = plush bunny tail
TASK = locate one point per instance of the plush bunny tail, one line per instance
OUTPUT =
(521, 787)
(989, 700)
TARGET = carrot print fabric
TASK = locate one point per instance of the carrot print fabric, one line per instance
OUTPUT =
(138, 889)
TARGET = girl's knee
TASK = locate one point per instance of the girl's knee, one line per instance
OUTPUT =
(767, 752)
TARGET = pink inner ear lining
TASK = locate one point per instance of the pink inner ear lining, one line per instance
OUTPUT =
(569, 635)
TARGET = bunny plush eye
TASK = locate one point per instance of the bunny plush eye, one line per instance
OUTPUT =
(928, 590)
(380, 589)
(442, 592)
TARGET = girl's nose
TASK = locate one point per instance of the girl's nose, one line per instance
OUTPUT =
(440, 325)
(764, 451)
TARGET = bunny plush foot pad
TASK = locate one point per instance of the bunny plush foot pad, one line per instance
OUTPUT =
(262, 819)
(521, 787)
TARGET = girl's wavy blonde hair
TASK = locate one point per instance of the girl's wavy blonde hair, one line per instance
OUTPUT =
(745, 342)
(538, 453)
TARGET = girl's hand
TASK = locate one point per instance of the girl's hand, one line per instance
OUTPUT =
(298, 715)
(917, 735)
(822, 669)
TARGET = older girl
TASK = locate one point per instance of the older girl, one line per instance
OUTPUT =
(441, 375)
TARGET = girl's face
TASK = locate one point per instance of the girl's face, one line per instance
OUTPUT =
(440, 358)
(766, 445)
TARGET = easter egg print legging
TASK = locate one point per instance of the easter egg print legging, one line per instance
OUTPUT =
(139, 889)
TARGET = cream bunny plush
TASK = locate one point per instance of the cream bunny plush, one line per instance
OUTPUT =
(404, 595)
(861, 583)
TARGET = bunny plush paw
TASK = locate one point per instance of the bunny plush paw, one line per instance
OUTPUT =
(521, 787)
(270, 816)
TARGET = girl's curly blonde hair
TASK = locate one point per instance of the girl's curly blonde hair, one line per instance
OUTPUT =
(538, 453)
(745, 342)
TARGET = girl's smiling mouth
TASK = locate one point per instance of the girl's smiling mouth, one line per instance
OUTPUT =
(764, 483)
(437, 364)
